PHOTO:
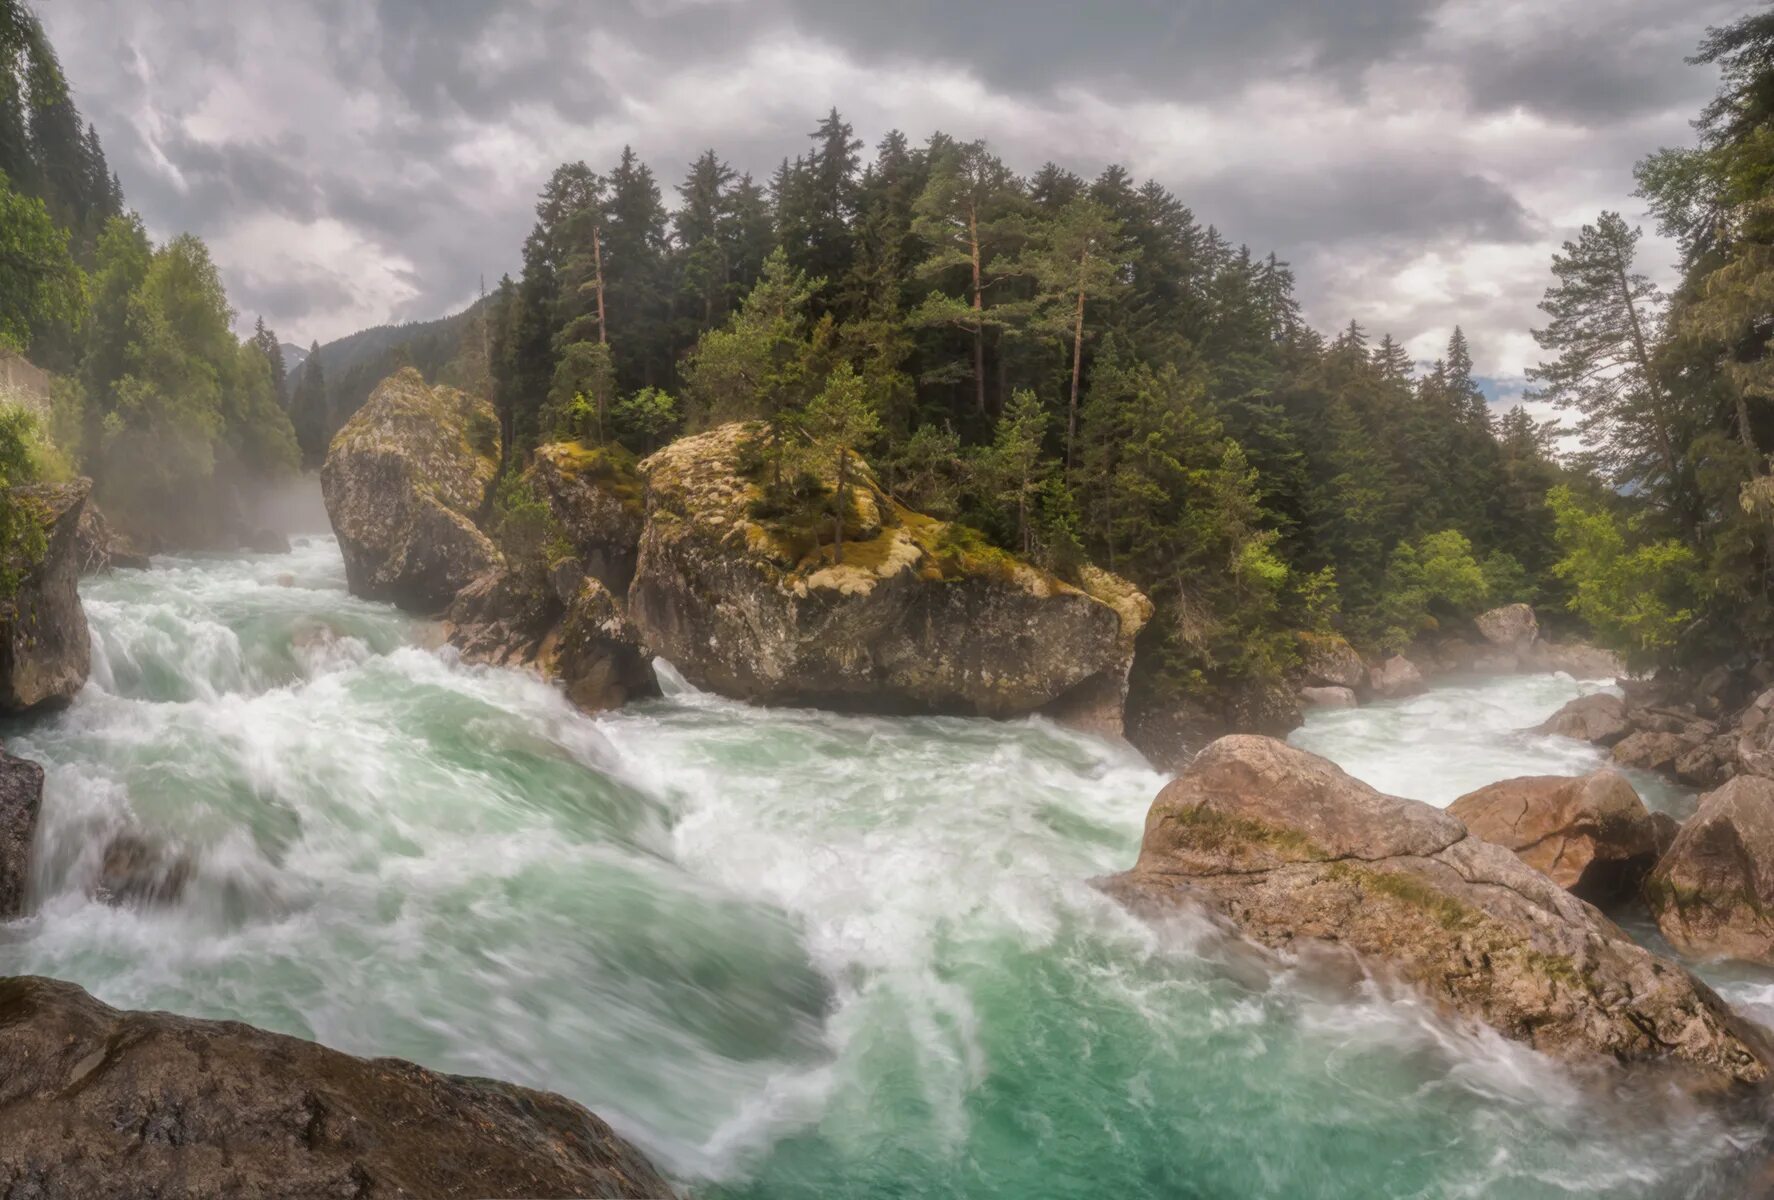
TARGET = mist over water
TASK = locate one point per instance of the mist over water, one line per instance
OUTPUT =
(789, 953)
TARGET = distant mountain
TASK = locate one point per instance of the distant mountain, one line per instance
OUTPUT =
(293, 355)
(354, 364)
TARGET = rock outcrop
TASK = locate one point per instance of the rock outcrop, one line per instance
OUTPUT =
(1589, 834)
(403, 482)
(595, 499)
(921, 616)
(599, 659)
(1294, 852)
(1713, 891)
(99, 547)
(44, 649)
(21, 798)
(104, 1103)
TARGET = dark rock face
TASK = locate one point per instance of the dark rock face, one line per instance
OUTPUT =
(600, 660)
(267, 541)
(99, 547)
(1169, 731)
(596, 501)
(498, 620)
(402, 483)
(1591, 835)
(138, 873)
(1293, 851)
(21, 798)
(911, 621)
(1713, 891)
(44, 651)
(102, 1103)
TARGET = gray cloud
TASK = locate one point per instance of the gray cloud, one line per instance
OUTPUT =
(1417, 160)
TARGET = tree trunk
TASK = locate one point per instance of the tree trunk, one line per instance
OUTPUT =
(979, 320)
(597, 258)
(1644, 364)
(1743, 432)
(838, 513)
(1077, 362)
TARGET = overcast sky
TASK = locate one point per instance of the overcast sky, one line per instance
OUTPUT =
(352, 163)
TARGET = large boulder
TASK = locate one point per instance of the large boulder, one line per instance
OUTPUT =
(1326, 660)
(1327, 697)
(595, 498)
(1713, 891)
(45, 653)
(1512, 629)
(21, 798)
(104, 1103)
(1591, 834)
(599, 659)
(1579, 660)
(1395, 678)
(1598, 718)
(403, 482)
(921, 615)
(1294, 852)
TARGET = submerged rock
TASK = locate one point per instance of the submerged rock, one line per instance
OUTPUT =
(139, 873)
(1599, 718)
(45, 653)
(1591, 834)
(107, 1103)
(1293, 851)
(403, 481)
(921, 616)
(21, 798)
(1713, 891)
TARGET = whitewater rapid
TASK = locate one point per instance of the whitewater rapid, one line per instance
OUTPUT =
(789, 953)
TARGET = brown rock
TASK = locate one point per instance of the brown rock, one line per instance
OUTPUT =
(21, 798)
(1591, 835)
(596, 500)
(102, 1103)
(1329, 661)
(600, 660)
(1649, 750)
(1293, 851)
(1713, 892)
(1599, 718)
(45, 651)
(138, 873)
(1397, 677)
(1327, 697)
(403, 481)
(1512, 628)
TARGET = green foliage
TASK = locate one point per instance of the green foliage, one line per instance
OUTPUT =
(41, 290)
(646, 420)
(1637, 594)
(1432, 581)
(22, 540)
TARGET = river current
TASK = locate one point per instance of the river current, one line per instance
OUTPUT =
(788, 953)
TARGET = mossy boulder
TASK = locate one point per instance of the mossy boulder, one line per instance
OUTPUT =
(403, 482)
(920, 616)
(45, 651)
(594, 496)
(1293, 853)
(21, 800)
(101, 1102)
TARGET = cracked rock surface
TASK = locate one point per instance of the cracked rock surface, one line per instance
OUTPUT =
(101, 1103)
(1293, 851)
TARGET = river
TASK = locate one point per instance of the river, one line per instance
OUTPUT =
(788, 953)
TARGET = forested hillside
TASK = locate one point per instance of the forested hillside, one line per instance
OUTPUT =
(1077, 367)
(156, 398)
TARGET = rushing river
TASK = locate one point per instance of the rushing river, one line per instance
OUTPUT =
(788, 953)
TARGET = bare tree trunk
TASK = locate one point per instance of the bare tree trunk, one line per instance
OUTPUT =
(1077, 363)
(597, 258)
(979, 320)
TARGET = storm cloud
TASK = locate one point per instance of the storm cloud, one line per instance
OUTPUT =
(352, 163)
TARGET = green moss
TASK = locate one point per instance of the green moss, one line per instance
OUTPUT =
(1209, 829)
(1442, 909)
(612, 467)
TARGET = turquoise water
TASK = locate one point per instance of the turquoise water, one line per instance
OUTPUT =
(790, 954)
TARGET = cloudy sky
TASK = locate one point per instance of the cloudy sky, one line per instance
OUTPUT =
(352, 163)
